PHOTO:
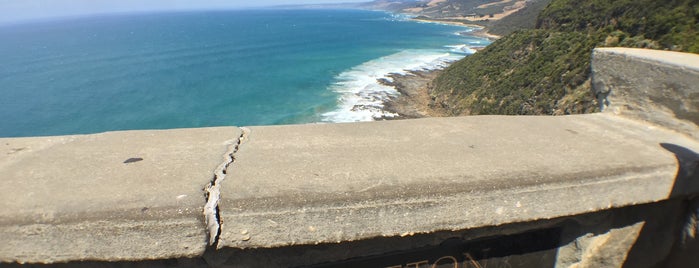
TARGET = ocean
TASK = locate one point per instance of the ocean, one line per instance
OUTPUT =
(211, 68)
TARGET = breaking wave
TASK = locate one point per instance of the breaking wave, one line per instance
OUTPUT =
(362, 96)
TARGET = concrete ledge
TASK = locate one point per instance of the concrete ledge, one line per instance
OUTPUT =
(132, 195)
(661, 87)
(305, 185)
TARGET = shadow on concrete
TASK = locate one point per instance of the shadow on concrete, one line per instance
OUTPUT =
(535, 248)
(529, 249)
(687, 180)
(678, 226)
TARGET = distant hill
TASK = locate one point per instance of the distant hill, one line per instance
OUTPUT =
(500, 17)
(523, 19)
(463, 9)
(473, 10)
(546, 70)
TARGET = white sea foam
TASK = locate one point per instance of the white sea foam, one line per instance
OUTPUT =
(465, 31)
(392, 17)
(478, 42)
(461, 49)
(400, 17)
(362, 96)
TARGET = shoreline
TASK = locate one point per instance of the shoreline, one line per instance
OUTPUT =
(412, 85)
(414, 100)
(478, 30)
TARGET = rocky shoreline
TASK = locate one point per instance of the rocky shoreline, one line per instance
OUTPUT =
(414, 100)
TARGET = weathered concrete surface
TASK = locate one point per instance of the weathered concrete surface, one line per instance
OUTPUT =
(296, 185)
(634, 236)
(74, 198)
(657, 86)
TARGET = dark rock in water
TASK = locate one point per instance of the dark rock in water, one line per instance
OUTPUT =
(133, 160)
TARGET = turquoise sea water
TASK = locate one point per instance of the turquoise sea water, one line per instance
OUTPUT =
(209, 68)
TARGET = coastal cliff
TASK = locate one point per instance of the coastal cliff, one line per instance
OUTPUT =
(547, 70)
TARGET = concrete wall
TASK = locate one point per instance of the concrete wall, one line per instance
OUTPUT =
(615, 189)
(661, 87)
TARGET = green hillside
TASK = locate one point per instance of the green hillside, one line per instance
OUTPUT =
(546, 70)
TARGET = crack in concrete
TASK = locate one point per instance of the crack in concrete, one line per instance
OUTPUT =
(213, 189)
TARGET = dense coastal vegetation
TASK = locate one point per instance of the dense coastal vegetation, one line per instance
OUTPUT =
(546, 70)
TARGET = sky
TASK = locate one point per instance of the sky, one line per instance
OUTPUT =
(22, 10)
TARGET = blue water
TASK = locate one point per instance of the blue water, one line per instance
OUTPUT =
(209, 68)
